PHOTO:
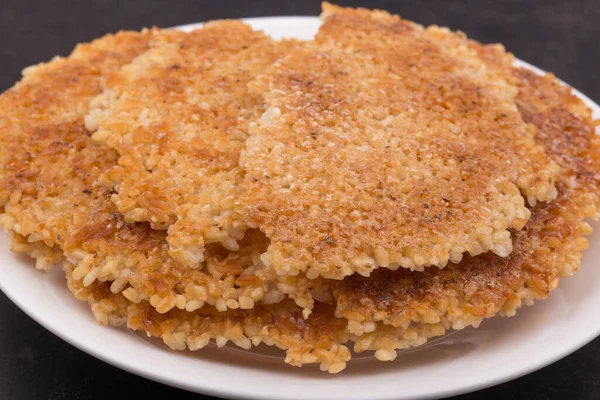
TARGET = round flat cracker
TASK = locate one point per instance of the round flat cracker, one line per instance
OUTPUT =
(549, 247)
(178, 116)
(53, 190)
(385, 146)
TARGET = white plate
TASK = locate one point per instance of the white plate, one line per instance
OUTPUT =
(500, 350)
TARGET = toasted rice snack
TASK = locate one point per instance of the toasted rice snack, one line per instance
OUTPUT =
(57, 92)
(51, 192)
(567, 132)
(317, 339)
(320, 338)
(178, 116)
(383, 147)
(55, 200)
(549, 247)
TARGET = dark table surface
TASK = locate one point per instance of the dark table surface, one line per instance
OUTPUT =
(558, 36)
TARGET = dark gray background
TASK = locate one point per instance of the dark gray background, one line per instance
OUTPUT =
(559, 36)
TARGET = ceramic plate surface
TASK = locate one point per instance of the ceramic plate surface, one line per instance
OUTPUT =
(500, 350)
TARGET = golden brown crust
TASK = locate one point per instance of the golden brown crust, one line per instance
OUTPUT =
(550, 246)
(178, 116)
(55, 93)
(51, 191)
(382, 146)
(52, 195)
(318, 339)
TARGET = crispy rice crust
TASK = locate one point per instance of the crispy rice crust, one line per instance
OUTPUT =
(51, 191)
(178, 116)
(320, 338)
(388, 145)
(388, 311)
(317, 339)
(54, 93)
(549, 247)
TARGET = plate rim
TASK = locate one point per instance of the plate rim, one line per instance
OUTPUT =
(233, 391)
